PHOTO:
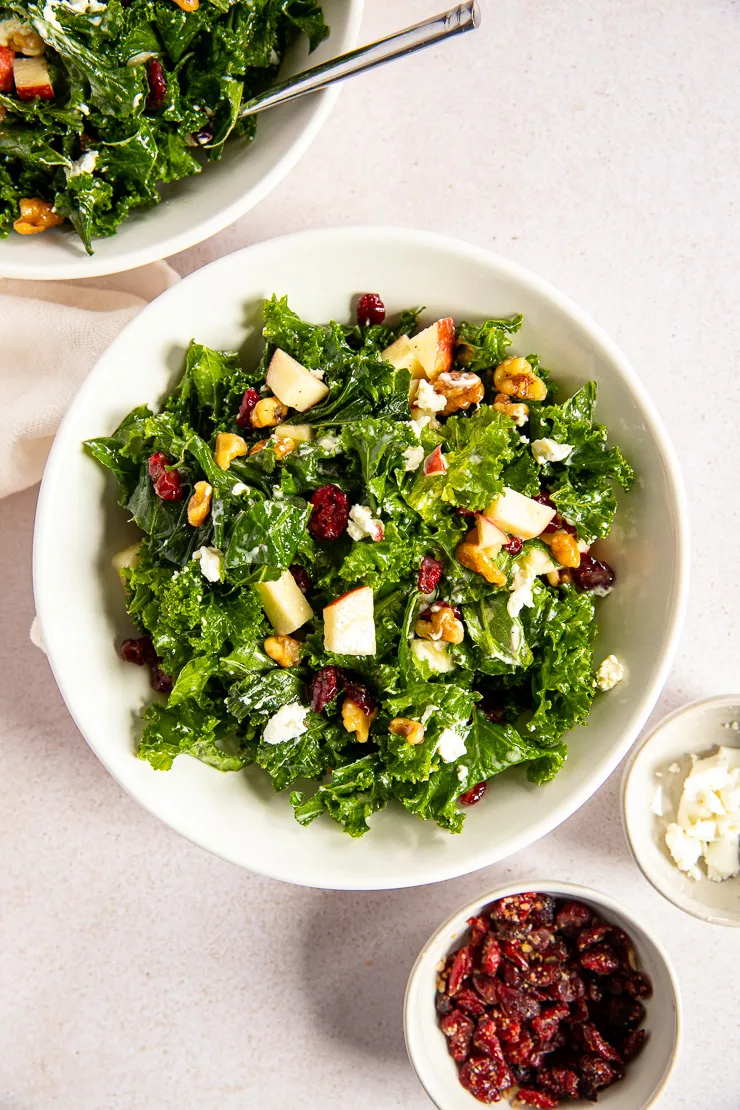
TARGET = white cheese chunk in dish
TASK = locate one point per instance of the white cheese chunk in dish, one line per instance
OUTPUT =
(609, 673)
(210, 559)
(362, 523)
(287, 724)
(550, 451)
(450, 745)
(707, 824)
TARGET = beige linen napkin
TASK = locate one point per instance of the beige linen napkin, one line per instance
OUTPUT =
(51, 334)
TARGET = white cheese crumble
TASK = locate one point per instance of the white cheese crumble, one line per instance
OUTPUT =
(434, 654)
(413, 457)
(317, 374)
(521, 589)
(210, 559)
(85, 7)
(427, 400)
(239, 487)
(708, 821)
(287, 724)
(85, 164)
(362, 523)
(450, 745)
(85, 111)
(609, 673)
(328, 443)
(462, 773)
(140, 59)
(550, 451)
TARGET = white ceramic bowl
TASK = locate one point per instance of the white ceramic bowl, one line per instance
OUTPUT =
(79, 527)
(696, 728)
(646, 1077)
(200, 206)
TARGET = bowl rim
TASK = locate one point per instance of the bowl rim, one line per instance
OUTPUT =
(66, 269)
(573, 890)
(395, 239)
(687, 904)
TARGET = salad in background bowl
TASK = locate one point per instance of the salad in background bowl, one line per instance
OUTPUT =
(82, 607)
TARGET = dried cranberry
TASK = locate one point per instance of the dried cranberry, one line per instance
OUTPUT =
(511, 975)
(594, 1042)
(530, 1097)
(161, 682)
(370, 309)
(486, 987)
(514, 907)
(509, 1028)
(594, 991)
(204, 136)
(462, 965)
(560, 1082)
(514, 545)
(492, 711)
(522, 1051)
(485, 1078)
(330, 513)
(578, 1010)
(458, 1028)
(473, 796)
(572, 917)
(249, 400)
(594, 935)
(443, 1003)
(543, 976)
(600, 959)
(595, 1075)
(358, 693)
(547, 1021)
(485, 1039)
(568, 987)
(543, 911)
(478, 928)
(512, 951)
(490, 956)
(430, 573)
(157, 84)
(469, 1002)
(542, 940)
(323, 687)
(633, 1043)
(156, 465)
(140, 651)
(592, 575)
(517, 1003)
(625, 1013)
(302, 580)
(168, 486)
(638, 985)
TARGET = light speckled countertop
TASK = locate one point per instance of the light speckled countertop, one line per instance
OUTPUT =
(598, 145)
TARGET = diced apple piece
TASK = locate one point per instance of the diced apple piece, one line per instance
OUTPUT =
(538, 561)
(435, 463)
(519, 515)
(299, 433)
(433, 347)
(400, 355)
(293, 384)
(6, 69)
(349, 623)
(284, 604)
(129, 557)
(32, 78)
(490, 536)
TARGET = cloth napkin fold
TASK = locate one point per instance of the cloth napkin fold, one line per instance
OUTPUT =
(51, 334)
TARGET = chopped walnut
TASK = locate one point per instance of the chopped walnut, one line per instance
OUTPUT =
(440, 624)
(470, 555)
(412, 731)
(565, 549)
(285, 650)
(519, 413)
(36, 215)
(355, 719)
(199, 504)
(268, 412)
(283, 446)
(516, 378)
(460, 390)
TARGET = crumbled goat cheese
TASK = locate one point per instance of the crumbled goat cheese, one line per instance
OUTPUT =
(413, 458)
(521, 589)
(428, 400)
(462, 773)
(550, 451)
(609, 673)
(328, 443)
(210, 559)
(239, 487)
(85, 164)
(450, 745)
(362, 523)
(287, 724)
(708, 820)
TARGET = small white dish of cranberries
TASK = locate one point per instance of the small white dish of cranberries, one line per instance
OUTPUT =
(543, 995)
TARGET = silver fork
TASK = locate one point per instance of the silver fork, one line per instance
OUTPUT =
(463, 17)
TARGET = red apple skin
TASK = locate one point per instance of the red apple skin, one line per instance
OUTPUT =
(445, 344)
(41, 82)
(343, 597)
(6, 69)
(435, 463)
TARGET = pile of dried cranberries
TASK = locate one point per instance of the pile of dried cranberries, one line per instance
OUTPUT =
(542, 1002)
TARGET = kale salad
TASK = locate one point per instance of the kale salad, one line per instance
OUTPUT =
(365, 563)
(104, 101)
